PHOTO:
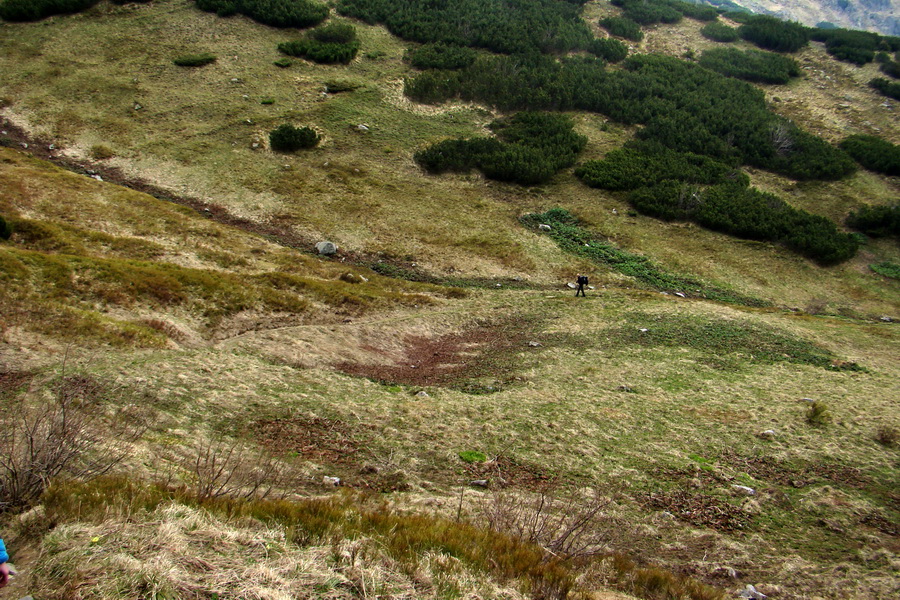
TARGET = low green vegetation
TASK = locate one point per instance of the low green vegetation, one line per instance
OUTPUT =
(509, 26)
(608, 49)
(623, 28)
(751, 65)
(873, 153)
(35, 10)
(329, 44)
(753, 343)
(530, 147)
(885, 87)
(887, 268)
(876, 221)
(771, 33)
(720, 32)
(287, 138)
(195, 60)
(275, 13)
(472, 456)
(566, 231)
(5, 229)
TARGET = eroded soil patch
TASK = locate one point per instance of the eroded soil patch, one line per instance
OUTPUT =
(699, 510)
(481, 359)
(313, 438)
(505, 471)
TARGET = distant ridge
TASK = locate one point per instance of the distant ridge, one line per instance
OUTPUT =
(882, 16)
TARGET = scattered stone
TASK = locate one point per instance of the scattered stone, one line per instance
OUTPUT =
(97, 177)
(235, 80)
(768, 434)
(483, 483)
(726, 571)
(643, 330)
(624, 388)
(743, 489)
(534, 344)
(24, 145)
(206, 210)
(138, 106)
(887, 319)
(331, 481)
(246, 97)
(362, 127)
(615, 212)
(590, 287)
(51, 147)
(326, 248)
(680, 294)
(571, 286)
(499, 285)
(544, 227)
(422, 394)
(752, 594)
(248, 122)
(364, 279)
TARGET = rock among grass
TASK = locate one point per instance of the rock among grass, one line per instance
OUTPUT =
(326, 248)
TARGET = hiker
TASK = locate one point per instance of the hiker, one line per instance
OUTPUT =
(4, 568)
(582, 281)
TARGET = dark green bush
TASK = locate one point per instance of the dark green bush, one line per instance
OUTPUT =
(886, 88)
(747, 213)
(891, 68)
(873, 153)
(681, 105)
(720, 32)
(506, 26)
(642, 165)
(441, 56)
(771, 33)
(848, 45)
(751, 65)
(648, 12)
(287, 138)
(34, 10)
(529, 148)
(608, 49)
(622, 27)
(876, 221)
(276, 13)
(194, 60)
(329, 44)
(5, 229)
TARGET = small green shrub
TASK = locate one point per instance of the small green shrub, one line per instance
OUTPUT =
(195, 60)
(472, 456)
(817, 414)
(886, 88)
(751, 65)
(283, 62)
(858, 47)
(623, 27)
(287, 138)
(720, 32)
(891, 68)
(101, 152)
(887, 436)
(330, 44)
(876, 221)
(267, 101)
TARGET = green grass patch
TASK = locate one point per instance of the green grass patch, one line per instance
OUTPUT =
(887, 268)
(571, 237)
(472, 456)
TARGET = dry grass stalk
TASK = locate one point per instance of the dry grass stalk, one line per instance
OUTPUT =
(231, 469)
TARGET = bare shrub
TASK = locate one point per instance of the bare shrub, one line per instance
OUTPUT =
(68, 436)
(818, 414)
(231, 469)
(571, 526)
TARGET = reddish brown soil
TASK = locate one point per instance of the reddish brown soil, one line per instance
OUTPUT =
(699, 509)
(313, 438)
(454, 360)
(508, 472)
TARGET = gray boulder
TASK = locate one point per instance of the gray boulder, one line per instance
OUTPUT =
(326, 248)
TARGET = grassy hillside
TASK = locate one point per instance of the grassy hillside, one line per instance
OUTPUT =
(210, 373)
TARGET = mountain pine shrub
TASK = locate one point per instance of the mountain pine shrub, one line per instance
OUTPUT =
(287, 138)
(441, 56)
(720, 32)
(771, 33)
(275, 13)
(195, 60)
(873, 153)
(329, 44)
(5, 229)
(876, 221)
(35, 10)
(610, 50)
(751, 65)
(886, 88)
(623, 27)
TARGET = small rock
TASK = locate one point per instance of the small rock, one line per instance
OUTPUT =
(590, 287)
(643, 330)
(97, 177)
(768, 434)
(331, 481)
(726, 571)
(479, 483)
(680, 294)
(571, 286)
(624, 388)
(254, 145)
(499, 285)
(206, 210)
(887, 319)
(51, 147)
(615, 212)
(326, 248)
(362, 127)
(248, 122)
(138, 106)
(534, 344)
(235, 80)
(364, 279)
(24, 145)
(743, 489)
(752, 594)
(422, 394)
(246, 97)
(544, 227)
